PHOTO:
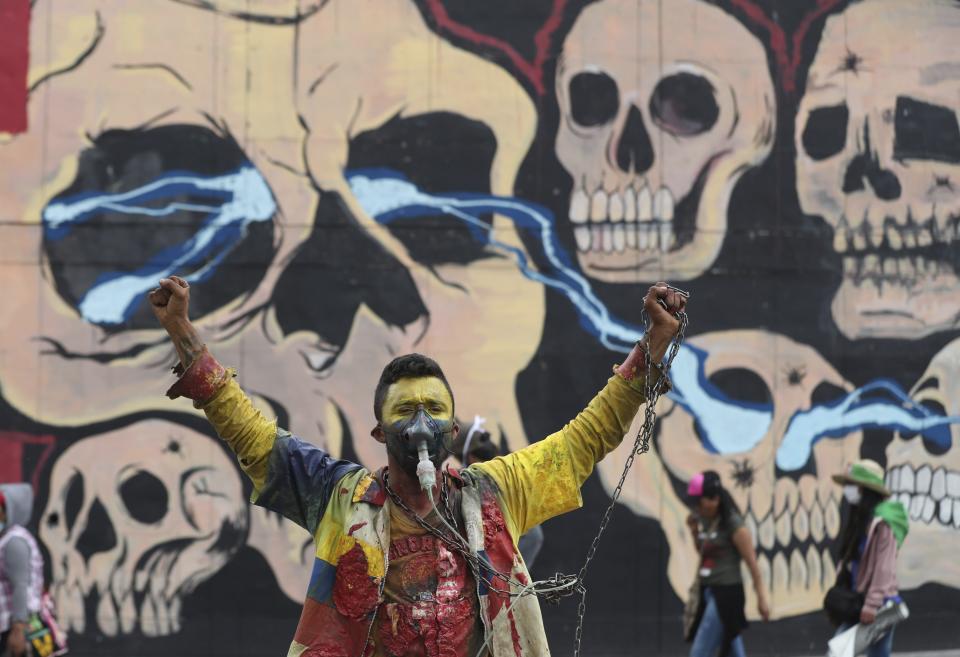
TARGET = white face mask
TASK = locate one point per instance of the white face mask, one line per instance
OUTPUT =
(852, 494)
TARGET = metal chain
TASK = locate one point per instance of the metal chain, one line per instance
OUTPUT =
(641, 445)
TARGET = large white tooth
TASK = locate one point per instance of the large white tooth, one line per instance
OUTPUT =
(929, 508)
(128, 614)
(798, 572)
(619, 237)
(644, 205)
(663, 205)
(953, 484)
(850, 265)
(782, 528)
(831, 516)
(941, 217)
(643, 235)
(906, 268)
(893, 237)
(148, 617)
(916, 506)
(946, 507)
(766, 532)
(816, 523)
(876, 213)
(814, 569)
(598, 206)
(906, 479)
(909, 237)
(829, 570)
(839, 240)
(871, 265)
(859, 240)
(616, 207)
(629, 204)
(956, 514)
(904, 499)
(781, 575)
(751, 524)
(107, 615)
(607, 237)
(801, 524)
(924, 477)
(582, 236)
(924, 235)
(631, 234)
(895, 479)
(579, 207)
(889, 268)
(666, 235)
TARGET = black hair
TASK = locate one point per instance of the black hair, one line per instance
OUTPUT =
(728, 507)
(857, 523)
(481, 444)
(410, 366)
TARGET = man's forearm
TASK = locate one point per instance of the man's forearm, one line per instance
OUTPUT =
(186, 341)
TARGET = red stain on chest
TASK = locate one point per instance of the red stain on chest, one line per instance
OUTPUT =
(355, 593)
(355, 527)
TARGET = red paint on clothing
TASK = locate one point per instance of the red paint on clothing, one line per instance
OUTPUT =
(356, 527)
(514, 634)
(14, 59)
(355, 593)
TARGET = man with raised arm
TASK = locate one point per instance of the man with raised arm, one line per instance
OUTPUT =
(399, 572)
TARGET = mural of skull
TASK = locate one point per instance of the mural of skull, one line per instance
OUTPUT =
(878, 149)
(793, 516)
(136, 519)
(655, 131)
(925, 476)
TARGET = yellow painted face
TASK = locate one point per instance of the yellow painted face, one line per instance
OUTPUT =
(404, 396)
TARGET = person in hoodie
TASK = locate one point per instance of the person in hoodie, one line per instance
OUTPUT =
(21, 568)
(870, 539)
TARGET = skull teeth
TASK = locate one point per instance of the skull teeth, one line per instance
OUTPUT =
(930, 496)
(623, 220)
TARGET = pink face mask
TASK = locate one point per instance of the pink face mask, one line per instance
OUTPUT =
(695, 487)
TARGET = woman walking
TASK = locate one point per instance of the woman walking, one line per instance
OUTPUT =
(722, 541)
(870, 538)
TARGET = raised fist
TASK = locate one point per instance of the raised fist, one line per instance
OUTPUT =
(170, 301)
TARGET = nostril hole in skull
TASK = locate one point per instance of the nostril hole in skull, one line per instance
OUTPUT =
(73, 500)
(826, 131)
(594, 98)
(145, 497)
(684, 104)
(98, 534)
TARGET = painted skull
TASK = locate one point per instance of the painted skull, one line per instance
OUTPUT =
(878, 155)
(794, 516)
(924, 474)
(136, 519)
(655, 131)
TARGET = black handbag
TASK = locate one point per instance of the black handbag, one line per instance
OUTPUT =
(842, 603)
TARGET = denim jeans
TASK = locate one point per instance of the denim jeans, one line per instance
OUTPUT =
(881, 648)
(710, 633)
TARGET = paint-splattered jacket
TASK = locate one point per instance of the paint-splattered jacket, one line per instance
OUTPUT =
(342, 505)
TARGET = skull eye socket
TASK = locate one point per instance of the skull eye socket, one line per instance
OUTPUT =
(925, 132)
(73, 500)
(594, 98)
(826, 131)
(741, 387)
(684, 104)
(145, 497)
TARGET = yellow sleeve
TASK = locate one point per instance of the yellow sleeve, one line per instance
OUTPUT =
(543, 480)
(244, 428)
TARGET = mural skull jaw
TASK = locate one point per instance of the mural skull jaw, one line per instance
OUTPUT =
(925, 477)
(633, 235)
(794, 517)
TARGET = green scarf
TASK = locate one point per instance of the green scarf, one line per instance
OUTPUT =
(893, 513)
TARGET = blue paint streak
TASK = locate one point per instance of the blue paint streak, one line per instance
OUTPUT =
(237, 200)
(726, 426)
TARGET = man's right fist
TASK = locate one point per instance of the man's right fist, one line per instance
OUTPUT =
(170, 301)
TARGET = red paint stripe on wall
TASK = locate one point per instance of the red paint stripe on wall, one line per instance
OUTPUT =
(14, 56)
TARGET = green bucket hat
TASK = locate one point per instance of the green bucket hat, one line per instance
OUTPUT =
(865, 473)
